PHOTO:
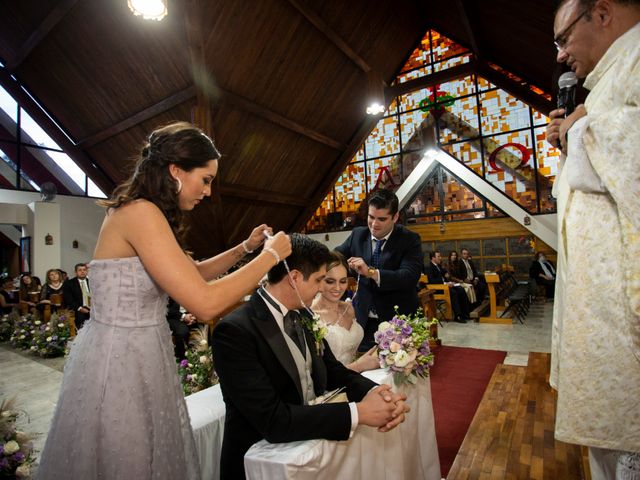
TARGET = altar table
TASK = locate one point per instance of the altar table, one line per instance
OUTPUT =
(409, 451)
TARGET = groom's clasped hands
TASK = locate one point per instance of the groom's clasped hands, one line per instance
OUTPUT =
(382, 408)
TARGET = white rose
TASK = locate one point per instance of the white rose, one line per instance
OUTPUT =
(48, 339)
(23, 471)
(11, 447)
(190, 365)
(32, 332)
(21, 337)
(204, 359)
(382, 326)
(402, 358)
(60, 325)
(34, 348)
(48, 327)
(194, 377)
(38, 322)
(395, 346)
(203, 342)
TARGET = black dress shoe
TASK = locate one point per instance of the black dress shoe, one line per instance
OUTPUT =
(460, 320)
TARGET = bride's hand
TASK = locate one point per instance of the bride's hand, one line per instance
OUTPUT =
(368, 361)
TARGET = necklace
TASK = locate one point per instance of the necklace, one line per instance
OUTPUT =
(339, 315)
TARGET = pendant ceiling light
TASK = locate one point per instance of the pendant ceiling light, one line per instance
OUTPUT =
(149, 9)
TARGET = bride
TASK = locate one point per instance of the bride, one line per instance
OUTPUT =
(344, 333)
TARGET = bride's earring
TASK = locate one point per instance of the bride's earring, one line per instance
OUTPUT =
(179, 188)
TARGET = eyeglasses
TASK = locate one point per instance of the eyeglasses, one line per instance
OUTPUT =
(561, 39)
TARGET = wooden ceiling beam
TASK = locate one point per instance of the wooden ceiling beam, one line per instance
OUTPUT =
(453, 73)
(328, 32)
(519, 90)
(101, 179)
(49, 23)
(463, 8)
(146, 114)
(261, 196)
(273, 117)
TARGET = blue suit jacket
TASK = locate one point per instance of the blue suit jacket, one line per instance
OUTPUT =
(400, 268)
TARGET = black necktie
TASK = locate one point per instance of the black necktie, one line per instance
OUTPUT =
(375, 260)
(293, 328)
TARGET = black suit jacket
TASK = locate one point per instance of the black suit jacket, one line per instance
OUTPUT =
(436, 274)
(72, 294)
(261, 387)
(400, 268)
(462, 270)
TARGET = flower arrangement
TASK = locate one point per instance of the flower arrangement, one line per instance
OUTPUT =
(23, 330)
(403, 346)
(50, 339)
(7, 323)
(196, 371)
(15, 446)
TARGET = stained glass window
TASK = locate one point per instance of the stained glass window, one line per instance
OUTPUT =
(499, 137)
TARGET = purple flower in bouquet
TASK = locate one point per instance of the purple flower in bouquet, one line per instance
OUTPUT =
(18, 457)
(54, 338)
(4, 464)
(1, 449)
(183, 363)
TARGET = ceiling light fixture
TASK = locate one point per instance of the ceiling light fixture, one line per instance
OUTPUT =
(375, 109)
(149, 9)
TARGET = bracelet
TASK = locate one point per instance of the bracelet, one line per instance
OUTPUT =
(272, 252)
(245, 248)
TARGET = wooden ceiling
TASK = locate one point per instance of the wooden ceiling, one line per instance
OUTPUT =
(282, 85)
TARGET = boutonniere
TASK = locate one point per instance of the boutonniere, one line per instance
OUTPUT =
(317, 327)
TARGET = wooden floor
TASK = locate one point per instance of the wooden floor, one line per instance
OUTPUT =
(511, 435)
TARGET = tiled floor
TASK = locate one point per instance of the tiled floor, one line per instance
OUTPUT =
(36, 382)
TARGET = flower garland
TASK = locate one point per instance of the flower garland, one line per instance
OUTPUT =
(16, 447)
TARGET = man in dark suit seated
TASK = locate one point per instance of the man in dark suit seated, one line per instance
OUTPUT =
(388, 259)
(180, 324)
(469, 274)
(459, 299)
(76, 295)
(271, 371)
(543, 273)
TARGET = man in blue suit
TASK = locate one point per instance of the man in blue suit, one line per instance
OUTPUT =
(388, 260)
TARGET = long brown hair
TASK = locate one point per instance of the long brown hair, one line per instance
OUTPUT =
(178, 143)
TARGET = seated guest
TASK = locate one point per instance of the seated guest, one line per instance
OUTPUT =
(459, 300)
(53, 285)
(452, 267)
(77, 295)
(8, 297)
(344, 332)
(543, 273)
(468, 273)
(270, 370)
(180, 323)
(28, 286)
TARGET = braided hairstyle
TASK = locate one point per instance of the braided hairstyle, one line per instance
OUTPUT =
(179, 143)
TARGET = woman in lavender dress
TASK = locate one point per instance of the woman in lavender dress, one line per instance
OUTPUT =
(121, 412)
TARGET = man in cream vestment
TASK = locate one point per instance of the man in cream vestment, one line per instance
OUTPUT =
(596, 332)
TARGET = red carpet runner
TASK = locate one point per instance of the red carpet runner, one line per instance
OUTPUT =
(459, 378)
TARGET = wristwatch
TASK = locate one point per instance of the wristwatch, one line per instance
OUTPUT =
(371, 272)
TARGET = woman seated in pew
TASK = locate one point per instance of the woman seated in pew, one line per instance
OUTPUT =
(344, 332)
(8, 297)
(52, 286)
(452, 266)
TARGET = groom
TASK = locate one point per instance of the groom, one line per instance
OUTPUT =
(270, 370)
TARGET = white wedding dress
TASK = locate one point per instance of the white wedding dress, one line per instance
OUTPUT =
(344, 343)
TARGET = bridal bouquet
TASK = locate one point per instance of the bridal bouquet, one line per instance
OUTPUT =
(196, 371)
(403, 346)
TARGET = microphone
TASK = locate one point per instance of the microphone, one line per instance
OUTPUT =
(567, 92)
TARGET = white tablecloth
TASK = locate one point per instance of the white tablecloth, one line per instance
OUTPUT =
(408, 452)
(206, 410)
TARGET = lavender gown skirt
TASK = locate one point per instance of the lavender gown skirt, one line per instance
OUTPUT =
(121, 413)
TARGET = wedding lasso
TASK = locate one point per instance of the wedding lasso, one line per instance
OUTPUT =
(286, 265)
